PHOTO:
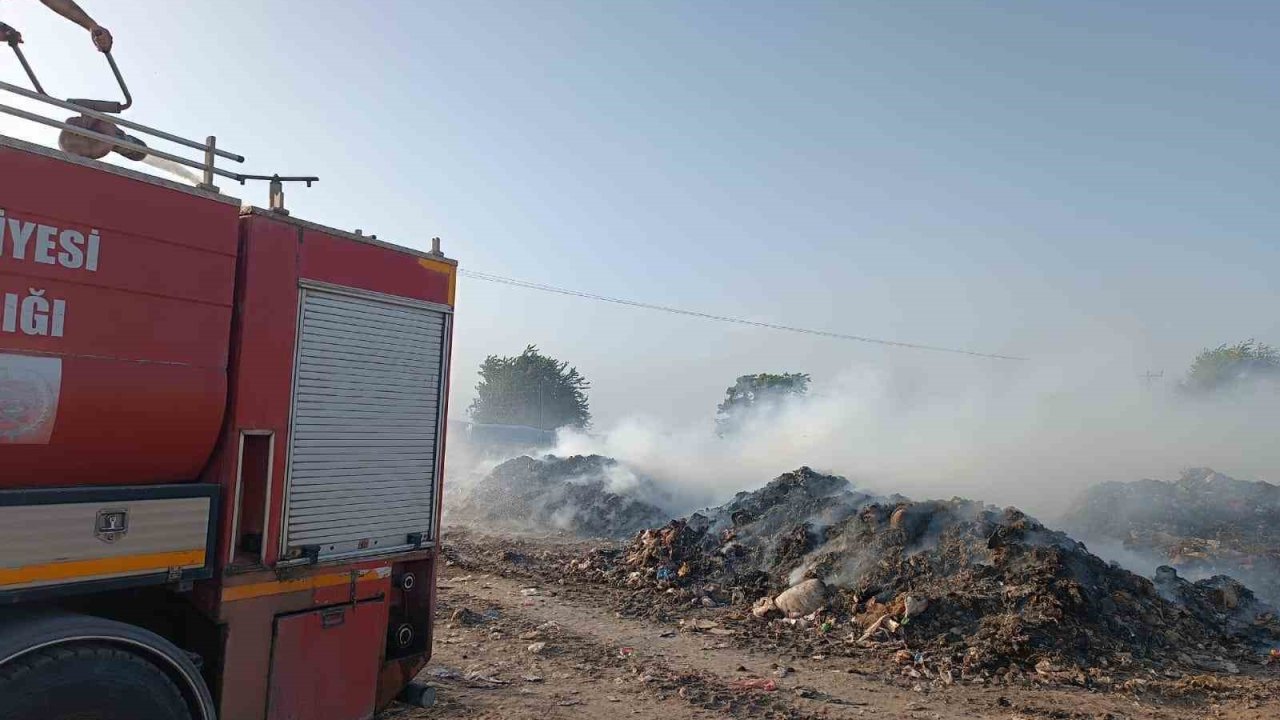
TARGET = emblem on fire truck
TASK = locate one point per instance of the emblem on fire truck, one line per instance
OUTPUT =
(111, 525)
(29, 388)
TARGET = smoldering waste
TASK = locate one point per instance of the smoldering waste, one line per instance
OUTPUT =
(1205, 523)
(567, 494)
(976, 589)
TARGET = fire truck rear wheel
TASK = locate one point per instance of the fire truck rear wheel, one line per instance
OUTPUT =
(88, 682)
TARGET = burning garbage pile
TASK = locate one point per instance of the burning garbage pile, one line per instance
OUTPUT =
(584, 495)
(974, 590)
(1204, 524)
(742, 542)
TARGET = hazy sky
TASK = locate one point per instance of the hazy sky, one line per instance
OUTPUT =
(1049, 179)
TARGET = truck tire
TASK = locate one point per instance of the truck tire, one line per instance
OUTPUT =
(88, 681)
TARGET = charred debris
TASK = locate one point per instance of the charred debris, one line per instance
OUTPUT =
(581, 496)
(953, 589)
(1203, 524)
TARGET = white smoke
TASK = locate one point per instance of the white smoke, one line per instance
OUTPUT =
(1034, 438)
(465, 464)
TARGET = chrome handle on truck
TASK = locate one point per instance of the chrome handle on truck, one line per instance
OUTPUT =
(13, 37)
(107, 106)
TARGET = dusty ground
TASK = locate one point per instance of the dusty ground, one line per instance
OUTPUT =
(512, 642)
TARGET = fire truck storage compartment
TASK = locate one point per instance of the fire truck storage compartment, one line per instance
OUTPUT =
(324, 663)
(366, 423)
(115, 321)
(60, 536)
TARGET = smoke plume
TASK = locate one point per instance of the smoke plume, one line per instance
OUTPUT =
(1033, 439)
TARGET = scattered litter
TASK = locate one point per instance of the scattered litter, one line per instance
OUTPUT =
(529, 592)
(626, 652)
(464, 616)
(802, 599)
(876, 627)
(480, 680)
(765, 684)
(914, 605)
(765, 607)
(537, 647)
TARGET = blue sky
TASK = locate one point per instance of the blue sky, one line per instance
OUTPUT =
(1035, 178)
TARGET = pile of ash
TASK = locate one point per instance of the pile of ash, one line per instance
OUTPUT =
(1204, 524)
(583, 495)
(977, 588)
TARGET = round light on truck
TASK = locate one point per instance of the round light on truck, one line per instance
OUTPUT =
(407, 581)
(404, 635)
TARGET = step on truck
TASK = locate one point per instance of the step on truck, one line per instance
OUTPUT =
(221, 440)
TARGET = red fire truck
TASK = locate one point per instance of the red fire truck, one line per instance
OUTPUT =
(221, 442)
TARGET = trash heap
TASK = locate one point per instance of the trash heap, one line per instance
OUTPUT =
(739, 545)
(574, 495)
(1205, 523)
(975, 590)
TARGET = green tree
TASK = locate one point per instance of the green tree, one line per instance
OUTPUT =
(1230, 367)
(530, 389)
(752, 392)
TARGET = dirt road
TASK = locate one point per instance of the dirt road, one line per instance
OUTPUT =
(511, 646)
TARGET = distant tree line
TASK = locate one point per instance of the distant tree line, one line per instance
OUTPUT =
(536, 390)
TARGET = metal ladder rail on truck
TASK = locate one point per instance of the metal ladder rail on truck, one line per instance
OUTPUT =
(221, 443)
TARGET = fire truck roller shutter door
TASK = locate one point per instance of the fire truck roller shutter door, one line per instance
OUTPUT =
(366, 423)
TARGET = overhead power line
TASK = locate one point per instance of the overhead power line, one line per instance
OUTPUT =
(487, 277)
